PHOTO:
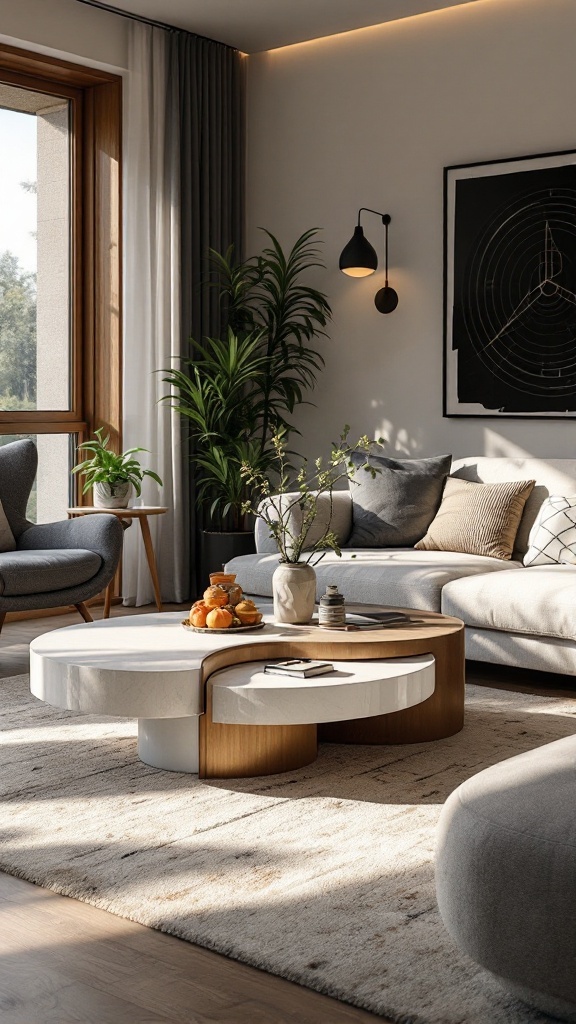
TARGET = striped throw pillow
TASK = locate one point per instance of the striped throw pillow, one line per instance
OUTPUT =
(478, 519)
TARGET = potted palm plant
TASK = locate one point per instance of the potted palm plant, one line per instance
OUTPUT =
(237, 392)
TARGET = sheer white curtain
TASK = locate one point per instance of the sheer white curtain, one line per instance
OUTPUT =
(152, 308)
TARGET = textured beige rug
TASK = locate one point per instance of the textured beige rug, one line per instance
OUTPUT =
(323, 876)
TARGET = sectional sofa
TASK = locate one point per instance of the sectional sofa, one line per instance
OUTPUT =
(514, 615)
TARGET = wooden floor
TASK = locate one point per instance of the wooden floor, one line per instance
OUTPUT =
(63, 962)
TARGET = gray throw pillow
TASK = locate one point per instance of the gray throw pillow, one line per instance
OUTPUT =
(395, 508)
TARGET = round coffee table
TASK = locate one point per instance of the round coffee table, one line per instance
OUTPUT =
(148, 667)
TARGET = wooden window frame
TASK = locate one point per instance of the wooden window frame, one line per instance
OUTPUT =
(96, 265)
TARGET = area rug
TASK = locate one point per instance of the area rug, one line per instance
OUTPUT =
(323, 875)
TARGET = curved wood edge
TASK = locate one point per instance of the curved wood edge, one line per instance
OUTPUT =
(439, 716)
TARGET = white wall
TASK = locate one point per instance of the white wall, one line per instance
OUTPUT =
(66, 28)
(370, 118)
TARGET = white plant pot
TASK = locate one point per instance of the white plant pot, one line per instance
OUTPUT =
(294, 590)
(112, 495)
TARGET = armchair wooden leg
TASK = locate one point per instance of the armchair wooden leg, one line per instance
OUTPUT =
(2, 617)
(84, 612)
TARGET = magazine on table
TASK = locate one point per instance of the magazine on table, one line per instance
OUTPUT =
(372, 616)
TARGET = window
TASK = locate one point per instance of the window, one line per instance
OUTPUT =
(59, 262)
(35, 299)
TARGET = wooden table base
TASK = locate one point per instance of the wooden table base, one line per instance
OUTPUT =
(440, 716)
(248, 751)
(237, 751)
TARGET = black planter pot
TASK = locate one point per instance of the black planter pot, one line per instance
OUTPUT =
(217, 548)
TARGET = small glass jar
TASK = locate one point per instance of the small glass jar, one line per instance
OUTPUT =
(331, 610)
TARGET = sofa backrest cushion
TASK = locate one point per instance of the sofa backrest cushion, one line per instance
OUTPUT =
(341, 523)
(552, 476)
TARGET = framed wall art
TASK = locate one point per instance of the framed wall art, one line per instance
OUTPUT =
(510, 288)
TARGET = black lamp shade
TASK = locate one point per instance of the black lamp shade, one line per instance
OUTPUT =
(358, 258)
(386, 300)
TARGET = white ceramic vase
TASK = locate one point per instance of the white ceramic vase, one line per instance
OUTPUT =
(294, 590)
(112, 495)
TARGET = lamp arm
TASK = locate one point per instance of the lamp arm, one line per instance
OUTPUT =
(386, 218)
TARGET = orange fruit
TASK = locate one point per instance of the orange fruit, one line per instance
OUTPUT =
(218, 618)
(215, 597)
(198, 613)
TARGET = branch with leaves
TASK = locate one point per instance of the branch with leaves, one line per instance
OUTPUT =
(301, 493)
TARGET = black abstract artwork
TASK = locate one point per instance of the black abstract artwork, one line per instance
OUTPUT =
(510, 288)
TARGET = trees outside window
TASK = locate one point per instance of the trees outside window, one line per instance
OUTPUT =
(60, 297)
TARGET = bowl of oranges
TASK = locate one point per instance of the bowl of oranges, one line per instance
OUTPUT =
(223, 608)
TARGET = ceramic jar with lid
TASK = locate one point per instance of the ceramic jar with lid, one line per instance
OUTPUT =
(331, 611)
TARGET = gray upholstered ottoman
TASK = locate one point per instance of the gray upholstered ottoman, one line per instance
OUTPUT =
(506, 873)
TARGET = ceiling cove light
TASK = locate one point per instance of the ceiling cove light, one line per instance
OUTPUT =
(358, 259)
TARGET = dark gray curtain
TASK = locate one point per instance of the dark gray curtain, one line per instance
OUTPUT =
(210, 83)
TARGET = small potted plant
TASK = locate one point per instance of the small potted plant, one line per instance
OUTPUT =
(112, 475)
(291, 513)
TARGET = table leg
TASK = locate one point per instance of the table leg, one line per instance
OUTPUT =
(169, 743)
(81, 607)
(151, 559)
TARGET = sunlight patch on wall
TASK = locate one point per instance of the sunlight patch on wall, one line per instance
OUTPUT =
(495, 445)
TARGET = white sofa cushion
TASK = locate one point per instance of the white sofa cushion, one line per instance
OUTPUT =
(400, 577)
(539, 601)
(553, 536)
(552, 476)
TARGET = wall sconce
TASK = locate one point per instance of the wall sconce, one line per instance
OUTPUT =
(358, 259)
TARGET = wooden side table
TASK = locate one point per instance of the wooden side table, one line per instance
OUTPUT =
(126, 515)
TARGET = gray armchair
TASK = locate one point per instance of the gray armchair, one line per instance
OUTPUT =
(54, 564)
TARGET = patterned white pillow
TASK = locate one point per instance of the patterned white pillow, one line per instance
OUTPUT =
(553, 536)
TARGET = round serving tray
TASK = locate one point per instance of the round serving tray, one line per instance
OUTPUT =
(230, 629)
